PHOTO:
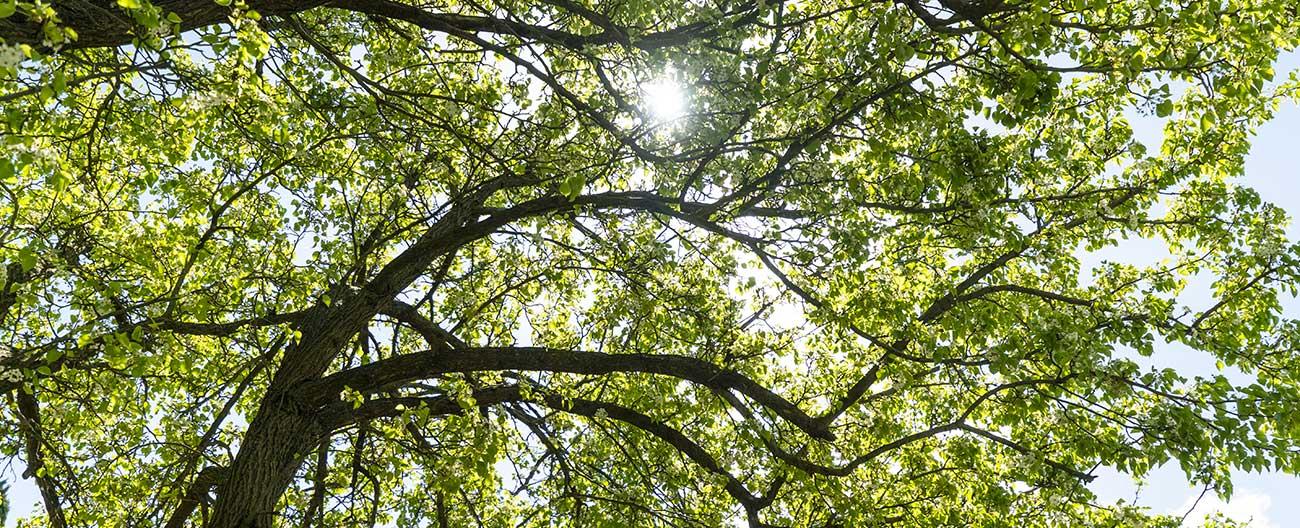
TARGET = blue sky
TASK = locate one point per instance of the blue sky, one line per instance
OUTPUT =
(1267, 500)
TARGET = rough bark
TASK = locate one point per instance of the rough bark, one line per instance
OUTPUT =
(287, 426)
(29, 412)
(101, 23)
(265, 465)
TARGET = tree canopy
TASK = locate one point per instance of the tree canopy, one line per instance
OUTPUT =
(445, 263)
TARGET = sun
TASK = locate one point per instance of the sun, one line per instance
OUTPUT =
(663, 99)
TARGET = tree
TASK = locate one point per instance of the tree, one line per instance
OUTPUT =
(284, 263)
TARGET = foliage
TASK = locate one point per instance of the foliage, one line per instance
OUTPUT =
(273, 262)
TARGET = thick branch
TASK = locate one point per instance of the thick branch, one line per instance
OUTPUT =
(101, 24)
(342, 414)
(404, 368)
(30, 415)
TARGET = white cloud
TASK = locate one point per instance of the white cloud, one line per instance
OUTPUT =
(1246, 506)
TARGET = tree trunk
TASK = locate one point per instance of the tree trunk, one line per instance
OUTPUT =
(285, 428)
(269, 456)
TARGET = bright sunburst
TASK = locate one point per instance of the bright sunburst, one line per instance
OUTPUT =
(663, 99)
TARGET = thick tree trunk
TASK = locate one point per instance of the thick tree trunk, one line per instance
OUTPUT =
(269, 457)
(287, 427)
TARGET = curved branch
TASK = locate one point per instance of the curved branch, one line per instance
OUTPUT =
(400, 369)
(1016, 288)
(101, 24)
(342, 414)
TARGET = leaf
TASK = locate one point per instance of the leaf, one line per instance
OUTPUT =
(1138, 150)
(1164, 108)
(7, 9)
(53, 32)
(575, 183)
(904, 52)
(129, 4)
(27, 258)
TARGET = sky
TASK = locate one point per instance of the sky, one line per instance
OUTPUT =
(1264, 500)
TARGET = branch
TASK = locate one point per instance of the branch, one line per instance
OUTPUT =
(401, 369)
(342, 414)
(101, 24)
(1044, 294)
(1025, 450)
(435, 336)
(29, 414)
(195, 493)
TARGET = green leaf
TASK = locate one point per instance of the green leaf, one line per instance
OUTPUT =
(1164, 108)
(904, 52)
(575, 183)
(27, 258)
